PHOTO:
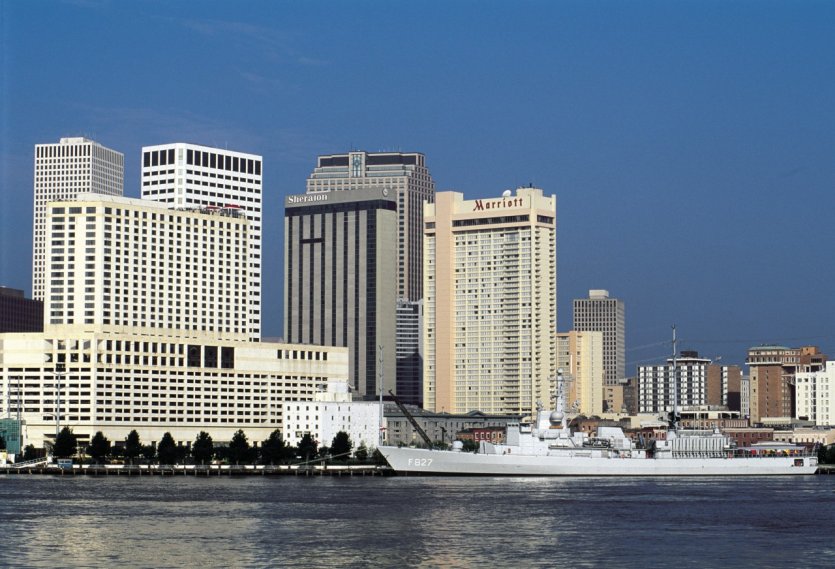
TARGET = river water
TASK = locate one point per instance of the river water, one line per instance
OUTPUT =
(416, 522)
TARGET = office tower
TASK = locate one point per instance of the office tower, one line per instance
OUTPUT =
(663, 387)
(189, 175)
(62, 171)
(18, 313)
(580, 357)
(490, 302)
(146, 329)
(771, 378)
(340, 278)
(409, 357)
(723, 386)
(599, 313)
(816, 395)
(403, 175)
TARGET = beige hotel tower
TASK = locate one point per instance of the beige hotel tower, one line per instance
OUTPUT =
(490, 302)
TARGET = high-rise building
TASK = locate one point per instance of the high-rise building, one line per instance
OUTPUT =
(599, 313)
(816, 395)
(409, 354)
(340, 275)
(62, 171)
(146, 329)
(723, 386)
(403, 175)
(490, 302)
(189, 175)
(664, 387)
(771, 378)
(18, 313)
(580, 357)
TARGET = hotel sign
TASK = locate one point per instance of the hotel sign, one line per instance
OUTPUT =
(307, 198)
(482, 205)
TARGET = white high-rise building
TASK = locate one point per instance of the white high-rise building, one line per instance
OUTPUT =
(62, 171)
(662, 388)
(490, 302)
(189, 175)
(599, 313)
(146, 328)
(398, 174)
(815, 396)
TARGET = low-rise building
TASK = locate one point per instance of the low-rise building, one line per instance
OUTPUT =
(441, 427)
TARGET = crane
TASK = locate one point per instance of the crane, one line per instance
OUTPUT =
(412, 420)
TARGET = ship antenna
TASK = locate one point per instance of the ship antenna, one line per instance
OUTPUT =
(673, 374)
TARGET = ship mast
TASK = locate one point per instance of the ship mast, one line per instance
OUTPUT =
(674, 390)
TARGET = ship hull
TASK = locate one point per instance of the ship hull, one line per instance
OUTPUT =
(412, 461)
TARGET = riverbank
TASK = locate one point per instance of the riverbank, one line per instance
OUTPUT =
(199, 470)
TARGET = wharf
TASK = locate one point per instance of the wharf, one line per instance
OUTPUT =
(204, 471)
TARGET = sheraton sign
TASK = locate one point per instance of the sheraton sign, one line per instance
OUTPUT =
(482, 205)
(307, 198)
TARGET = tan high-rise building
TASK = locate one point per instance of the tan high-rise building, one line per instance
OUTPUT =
(599, 313)
(580, 357)
(771, 378)
(490, 302)
(62, 171)
(400, 174)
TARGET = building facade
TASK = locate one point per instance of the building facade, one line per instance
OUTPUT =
(322, 419)
(18, 313)
(409, 352)
(771, 372)
(63, 170)
(816, 395)
(490, 302)
(405, 177)
(340, 279)
(147, 329)
(191, 176)
(580, 356)
(599, 313)
(439, 427)
(665, 387)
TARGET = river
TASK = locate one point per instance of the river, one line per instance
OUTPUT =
(416, 522)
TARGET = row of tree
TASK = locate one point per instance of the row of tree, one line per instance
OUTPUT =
(203, 450)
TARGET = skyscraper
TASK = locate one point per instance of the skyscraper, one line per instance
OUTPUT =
(189, 175)
(490, 304)
(599, 313)
(62, 171)
(403, 175)
(580, 356)
(340, 274)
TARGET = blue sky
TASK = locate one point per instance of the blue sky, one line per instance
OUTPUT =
(691, 145)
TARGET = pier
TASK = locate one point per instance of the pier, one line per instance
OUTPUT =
(198, 470)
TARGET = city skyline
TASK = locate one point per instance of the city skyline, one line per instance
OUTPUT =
(690, 147)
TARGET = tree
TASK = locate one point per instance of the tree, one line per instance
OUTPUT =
(99, 447)
(2, 443)
(341, 446)
(470, 445)
(203, 448)
(65, 444)
(239, 450)
(378, 457)
(307, 446)
(29, 453)
(148, 452)
(274, 449)
(361, 453)
(167, 450)
(133, 447)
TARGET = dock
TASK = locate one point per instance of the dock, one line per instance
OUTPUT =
(198, 470)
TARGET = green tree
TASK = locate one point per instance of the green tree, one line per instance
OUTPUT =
(167, 450)
(203, 448)
(30, 453)
(378, 457)
(308, 447)
(148, 452)
(239, 450)
(341, 446)
(361, 453)
(274, 449)
(65, 444)
(470, 445)
(2, 443)
(133, 447)
(99, 447)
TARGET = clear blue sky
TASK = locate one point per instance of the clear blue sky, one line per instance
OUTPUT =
(691, 145)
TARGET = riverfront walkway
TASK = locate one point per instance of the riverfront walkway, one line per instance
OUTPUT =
(196, 470)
